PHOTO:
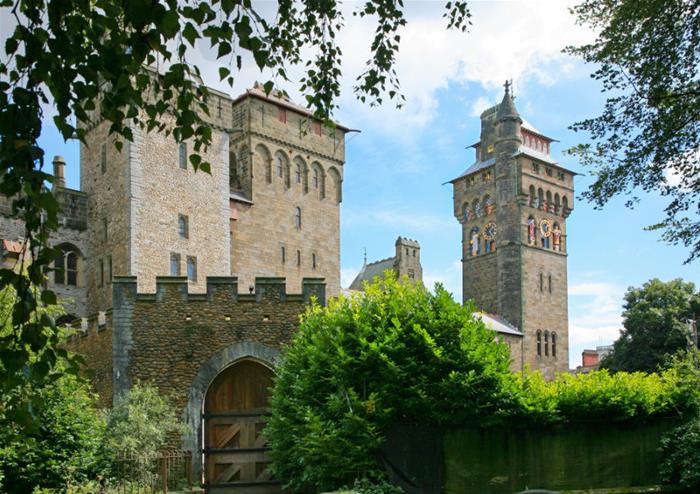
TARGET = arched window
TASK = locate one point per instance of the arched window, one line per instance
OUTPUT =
(59, 275)
(546, 343)
(564, 206)
(554, 344)
(66, 267)
(297, 173)
(557, 204)
(280, 166)
(72, 269)
(319, 179)
(297, 217)
(533, 196)
(540, 199)
(265, 160)
(336, 183)
(539, 343)
(550, 205)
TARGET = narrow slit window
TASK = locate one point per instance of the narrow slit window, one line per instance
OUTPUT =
(182, 155)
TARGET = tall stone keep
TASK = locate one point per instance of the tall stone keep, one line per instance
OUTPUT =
(513, 203)
(270, 207)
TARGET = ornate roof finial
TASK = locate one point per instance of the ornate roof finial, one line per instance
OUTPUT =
(507, 85)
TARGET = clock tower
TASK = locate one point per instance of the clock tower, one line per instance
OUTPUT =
(512, 203)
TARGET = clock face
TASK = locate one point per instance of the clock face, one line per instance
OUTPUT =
(490, 231)
(546, 228)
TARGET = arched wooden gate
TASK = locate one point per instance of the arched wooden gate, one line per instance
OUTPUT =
(235, 412)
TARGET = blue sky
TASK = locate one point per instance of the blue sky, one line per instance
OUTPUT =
(396, 166)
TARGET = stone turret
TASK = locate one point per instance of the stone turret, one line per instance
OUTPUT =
(407, 260)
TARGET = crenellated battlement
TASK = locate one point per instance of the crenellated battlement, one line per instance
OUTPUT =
(220, 289)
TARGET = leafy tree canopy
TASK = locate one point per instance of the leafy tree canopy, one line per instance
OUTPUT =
(88, 59)
(647, 55)
(395, 354)
(655, 320)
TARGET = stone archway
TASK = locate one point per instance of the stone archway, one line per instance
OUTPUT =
(193, 413)
(236, 410)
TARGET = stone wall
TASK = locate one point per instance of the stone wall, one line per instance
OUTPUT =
(264, 216)
(93, 340)
(71, 235)
(109, 204)
(161, 191)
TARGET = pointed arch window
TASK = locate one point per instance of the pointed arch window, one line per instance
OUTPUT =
(280, 166)
(546, 343)
(539, 343)
(554, 344)
(297, 173)
(533, 196)
(315, 178)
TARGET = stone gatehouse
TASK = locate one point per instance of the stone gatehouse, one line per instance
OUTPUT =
(212, 353)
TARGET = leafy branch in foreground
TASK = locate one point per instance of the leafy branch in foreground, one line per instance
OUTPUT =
(130, 64)
(648, 136)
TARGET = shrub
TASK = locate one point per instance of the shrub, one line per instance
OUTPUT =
(138, 428)
(397, 353)
(64, 449)
(681, 451)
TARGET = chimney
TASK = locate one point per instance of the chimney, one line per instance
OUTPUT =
(59, 167)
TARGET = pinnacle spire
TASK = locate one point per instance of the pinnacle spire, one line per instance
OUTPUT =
(507, 107)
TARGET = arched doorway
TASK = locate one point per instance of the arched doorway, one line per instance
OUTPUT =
(236, 409)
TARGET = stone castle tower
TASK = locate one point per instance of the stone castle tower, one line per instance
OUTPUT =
(513, 203)
(269, 208)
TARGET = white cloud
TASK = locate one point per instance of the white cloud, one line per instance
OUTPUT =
(518, 40)
(480, 105)
(450, 277)
(401, 220)
(597, 319)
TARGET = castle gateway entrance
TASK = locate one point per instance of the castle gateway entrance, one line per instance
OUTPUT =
(235, 413)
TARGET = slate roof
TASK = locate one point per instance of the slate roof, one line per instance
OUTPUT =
(499, 324)
(369, 271)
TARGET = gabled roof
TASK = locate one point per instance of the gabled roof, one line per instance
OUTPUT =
(369, 271)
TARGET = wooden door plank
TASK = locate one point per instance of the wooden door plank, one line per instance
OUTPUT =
(227, 474)
(228, 435)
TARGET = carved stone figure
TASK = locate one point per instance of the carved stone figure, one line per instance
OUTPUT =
(531, 230)
(474, 243)
(556, 238)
